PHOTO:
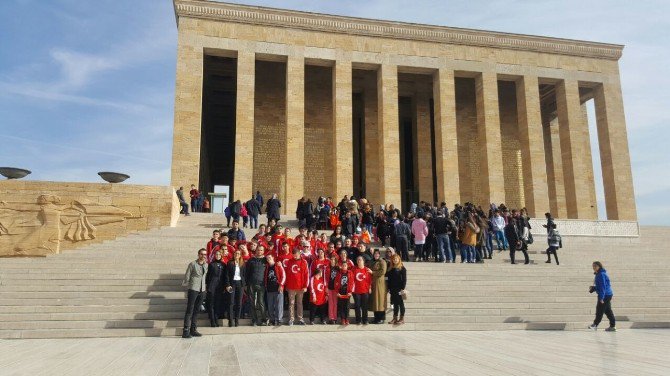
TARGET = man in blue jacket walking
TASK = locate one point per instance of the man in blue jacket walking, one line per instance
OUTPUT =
(604, 290)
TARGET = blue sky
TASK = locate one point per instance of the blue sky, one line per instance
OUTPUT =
(87, 86)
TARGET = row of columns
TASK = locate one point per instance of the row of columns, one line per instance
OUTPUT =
(573, 134)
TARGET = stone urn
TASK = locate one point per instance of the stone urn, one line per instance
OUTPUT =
(13, 172)
(113, 177)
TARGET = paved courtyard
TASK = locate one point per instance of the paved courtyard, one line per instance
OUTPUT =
(627, 352)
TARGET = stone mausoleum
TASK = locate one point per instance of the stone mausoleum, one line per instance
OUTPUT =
(305, 104)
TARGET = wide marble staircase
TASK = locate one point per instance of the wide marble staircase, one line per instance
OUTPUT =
(132, 287)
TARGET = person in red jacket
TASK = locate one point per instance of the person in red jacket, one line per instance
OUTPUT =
(361, 290)
(317, 297)
(278, 237)
(330, 276)
(213, 245)
(284, 254)
(344, 257)
(321, 262)
(344, 285)
(275, 279)
(297, 279)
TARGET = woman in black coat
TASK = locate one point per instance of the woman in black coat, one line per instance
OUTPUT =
(214, 283)
(234, 278)
(272, 208)
(397, 280)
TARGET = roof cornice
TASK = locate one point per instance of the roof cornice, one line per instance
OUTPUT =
(226, 12)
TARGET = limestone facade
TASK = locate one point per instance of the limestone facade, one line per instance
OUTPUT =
(489, 117)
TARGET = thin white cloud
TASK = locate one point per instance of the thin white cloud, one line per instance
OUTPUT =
(34, 91)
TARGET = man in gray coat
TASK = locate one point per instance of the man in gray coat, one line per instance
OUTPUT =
(194, 280)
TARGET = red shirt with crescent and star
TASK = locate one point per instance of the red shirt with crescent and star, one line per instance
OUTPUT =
(297, 274)
(362, 280)
(318, 291)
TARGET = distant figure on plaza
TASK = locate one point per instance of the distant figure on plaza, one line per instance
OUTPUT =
(272, 208)
(555, 242)
(253, 210)
(195, 280)
(550, 222)
(603, 288)
(182, 201)
(195, 196)
(514, 238)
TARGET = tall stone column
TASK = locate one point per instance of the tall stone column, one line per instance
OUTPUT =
(423, 151)
(576, 153)
(614, 155)
(295, 130)
(552, 148)
(388, 135)
(488, 134)
(532, 146)
(187, 116)
(343, 152)
(244, 127)
(446, 139)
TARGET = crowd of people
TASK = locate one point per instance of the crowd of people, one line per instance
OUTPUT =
(329, 267)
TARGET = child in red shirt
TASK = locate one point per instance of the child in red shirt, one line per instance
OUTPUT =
(317, 297)
(361, 290)
(213, 245)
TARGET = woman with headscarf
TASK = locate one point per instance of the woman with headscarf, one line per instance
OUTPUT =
(378, 295)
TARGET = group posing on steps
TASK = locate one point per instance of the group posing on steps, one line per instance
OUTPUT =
(260, 277)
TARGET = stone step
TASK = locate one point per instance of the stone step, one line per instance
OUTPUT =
(119, 321)
(551, 313)
(156, 332)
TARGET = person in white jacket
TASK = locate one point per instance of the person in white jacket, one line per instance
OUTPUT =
(499, 229)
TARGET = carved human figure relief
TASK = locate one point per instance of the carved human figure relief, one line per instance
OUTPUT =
(38, 229)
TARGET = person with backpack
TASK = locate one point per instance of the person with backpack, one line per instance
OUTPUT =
(555, 242)
(603, 287)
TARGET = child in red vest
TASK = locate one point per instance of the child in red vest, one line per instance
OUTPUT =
(317, 297)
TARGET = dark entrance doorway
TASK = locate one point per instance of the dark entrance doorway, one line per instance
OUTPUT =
(217, 150)
(408, 187)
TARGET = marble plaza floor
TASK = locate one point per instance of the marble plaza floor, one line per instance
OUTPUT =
(627, 352)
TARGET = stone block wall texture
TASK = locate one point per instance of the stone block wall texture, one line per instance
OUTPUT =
(318, 131)
(38, 218)
(269, 163)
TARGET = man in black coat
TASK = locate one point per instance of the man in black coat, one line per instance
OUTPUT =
(514, 236)
(272, 208)
(253, 210)
(255, 281)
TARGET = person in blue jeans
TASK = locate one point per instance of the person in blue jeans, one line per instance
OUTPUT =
(604, 289)
(499, 224)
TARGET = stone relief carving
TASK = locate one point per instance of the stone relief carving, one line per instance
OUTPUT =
(38, 229)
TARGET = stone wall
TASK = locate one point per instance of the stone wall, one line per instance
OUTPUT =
(318, 131)
(38, 218)
(270, 129)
